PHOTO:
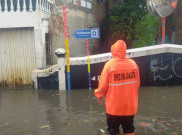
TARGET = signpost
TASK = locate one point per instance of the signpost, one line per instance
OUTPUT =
(67, 48)
(87, 34)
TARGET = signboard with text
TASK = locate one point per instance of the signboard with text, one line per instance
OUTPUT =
(87, 33)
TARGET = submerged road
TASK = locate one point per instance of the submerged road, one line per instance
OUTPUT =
(26, 111)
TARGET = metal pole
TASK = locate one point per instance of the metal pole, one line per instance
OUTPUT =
(89, 77)
(67, 49)
(163, 29)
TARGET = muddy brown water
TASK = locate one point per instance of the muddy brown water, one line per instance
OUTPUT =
(26, 111)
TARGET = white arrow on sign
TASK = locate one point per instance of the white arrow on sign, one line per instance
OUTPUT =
(87, 33)
(95, 78)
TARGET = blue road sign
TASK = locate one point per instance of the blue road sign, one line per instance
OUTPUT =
(87, 33)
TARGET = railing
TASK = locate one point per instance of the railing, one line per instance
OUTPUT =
(26, 5)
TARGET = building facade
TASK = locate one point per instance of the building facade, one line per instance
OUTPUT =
(174, 25)
(23, 29)
(31, 31)
(81, 14)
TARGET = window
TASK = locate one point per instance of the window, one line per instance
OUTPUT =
(100, 1)
(83, 3)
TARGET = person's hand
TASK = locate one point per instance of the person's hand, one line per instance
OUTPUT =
(99, 100)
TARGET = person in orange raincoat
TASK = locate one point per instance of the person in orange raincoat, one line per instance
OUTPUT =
(119, 84)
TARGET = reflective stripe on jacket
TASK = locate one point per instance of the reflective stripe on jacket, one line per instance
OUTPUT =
(119, 83)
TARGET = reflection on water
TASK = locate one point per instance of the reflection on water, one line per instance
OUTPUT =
(25, 111)
(160, 111)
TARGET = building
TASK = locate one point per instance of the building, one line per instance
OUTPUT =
(23, 30)
(174, 25)
(31, 30)
(81, 14)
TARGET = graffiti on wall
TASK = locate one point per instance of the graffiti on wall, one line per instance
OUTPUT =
(165, 67)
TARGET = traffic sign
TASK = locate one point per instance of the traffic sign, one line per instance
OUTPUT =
(87, 33)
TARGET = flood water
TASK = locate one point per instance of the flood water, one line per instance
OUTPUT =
(25, 111)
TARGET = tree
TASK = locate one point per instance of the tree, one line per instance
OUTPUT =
(130, 21)
(146, 31)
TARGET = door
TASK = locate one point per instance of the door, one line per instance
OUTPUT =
(17, 56)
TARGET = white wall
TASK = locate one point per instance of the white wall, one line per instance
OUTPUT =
(29, 19)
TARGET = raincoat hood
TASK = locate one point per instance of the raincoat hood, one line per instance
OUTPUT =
(118, 50)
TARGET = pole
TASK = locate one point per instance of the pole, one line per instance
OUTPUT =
(163, 29)
(67, 49)
(89, 78)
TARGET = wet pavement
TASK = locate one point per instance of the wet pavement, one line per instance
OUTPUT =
(25, 111)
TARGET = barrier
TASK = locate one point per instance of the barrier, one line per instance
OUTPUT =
(159, 65)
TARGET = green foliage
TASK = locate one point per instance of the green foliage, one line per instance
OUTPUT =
(146, 31)
(128, 21)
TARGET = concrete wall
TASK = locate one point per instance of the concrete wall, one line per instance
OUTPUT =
(37, 20)
(159, 65)
(77, 18)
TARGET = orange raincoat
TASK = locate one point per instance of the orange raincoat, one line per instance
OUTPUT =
(119, 83)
